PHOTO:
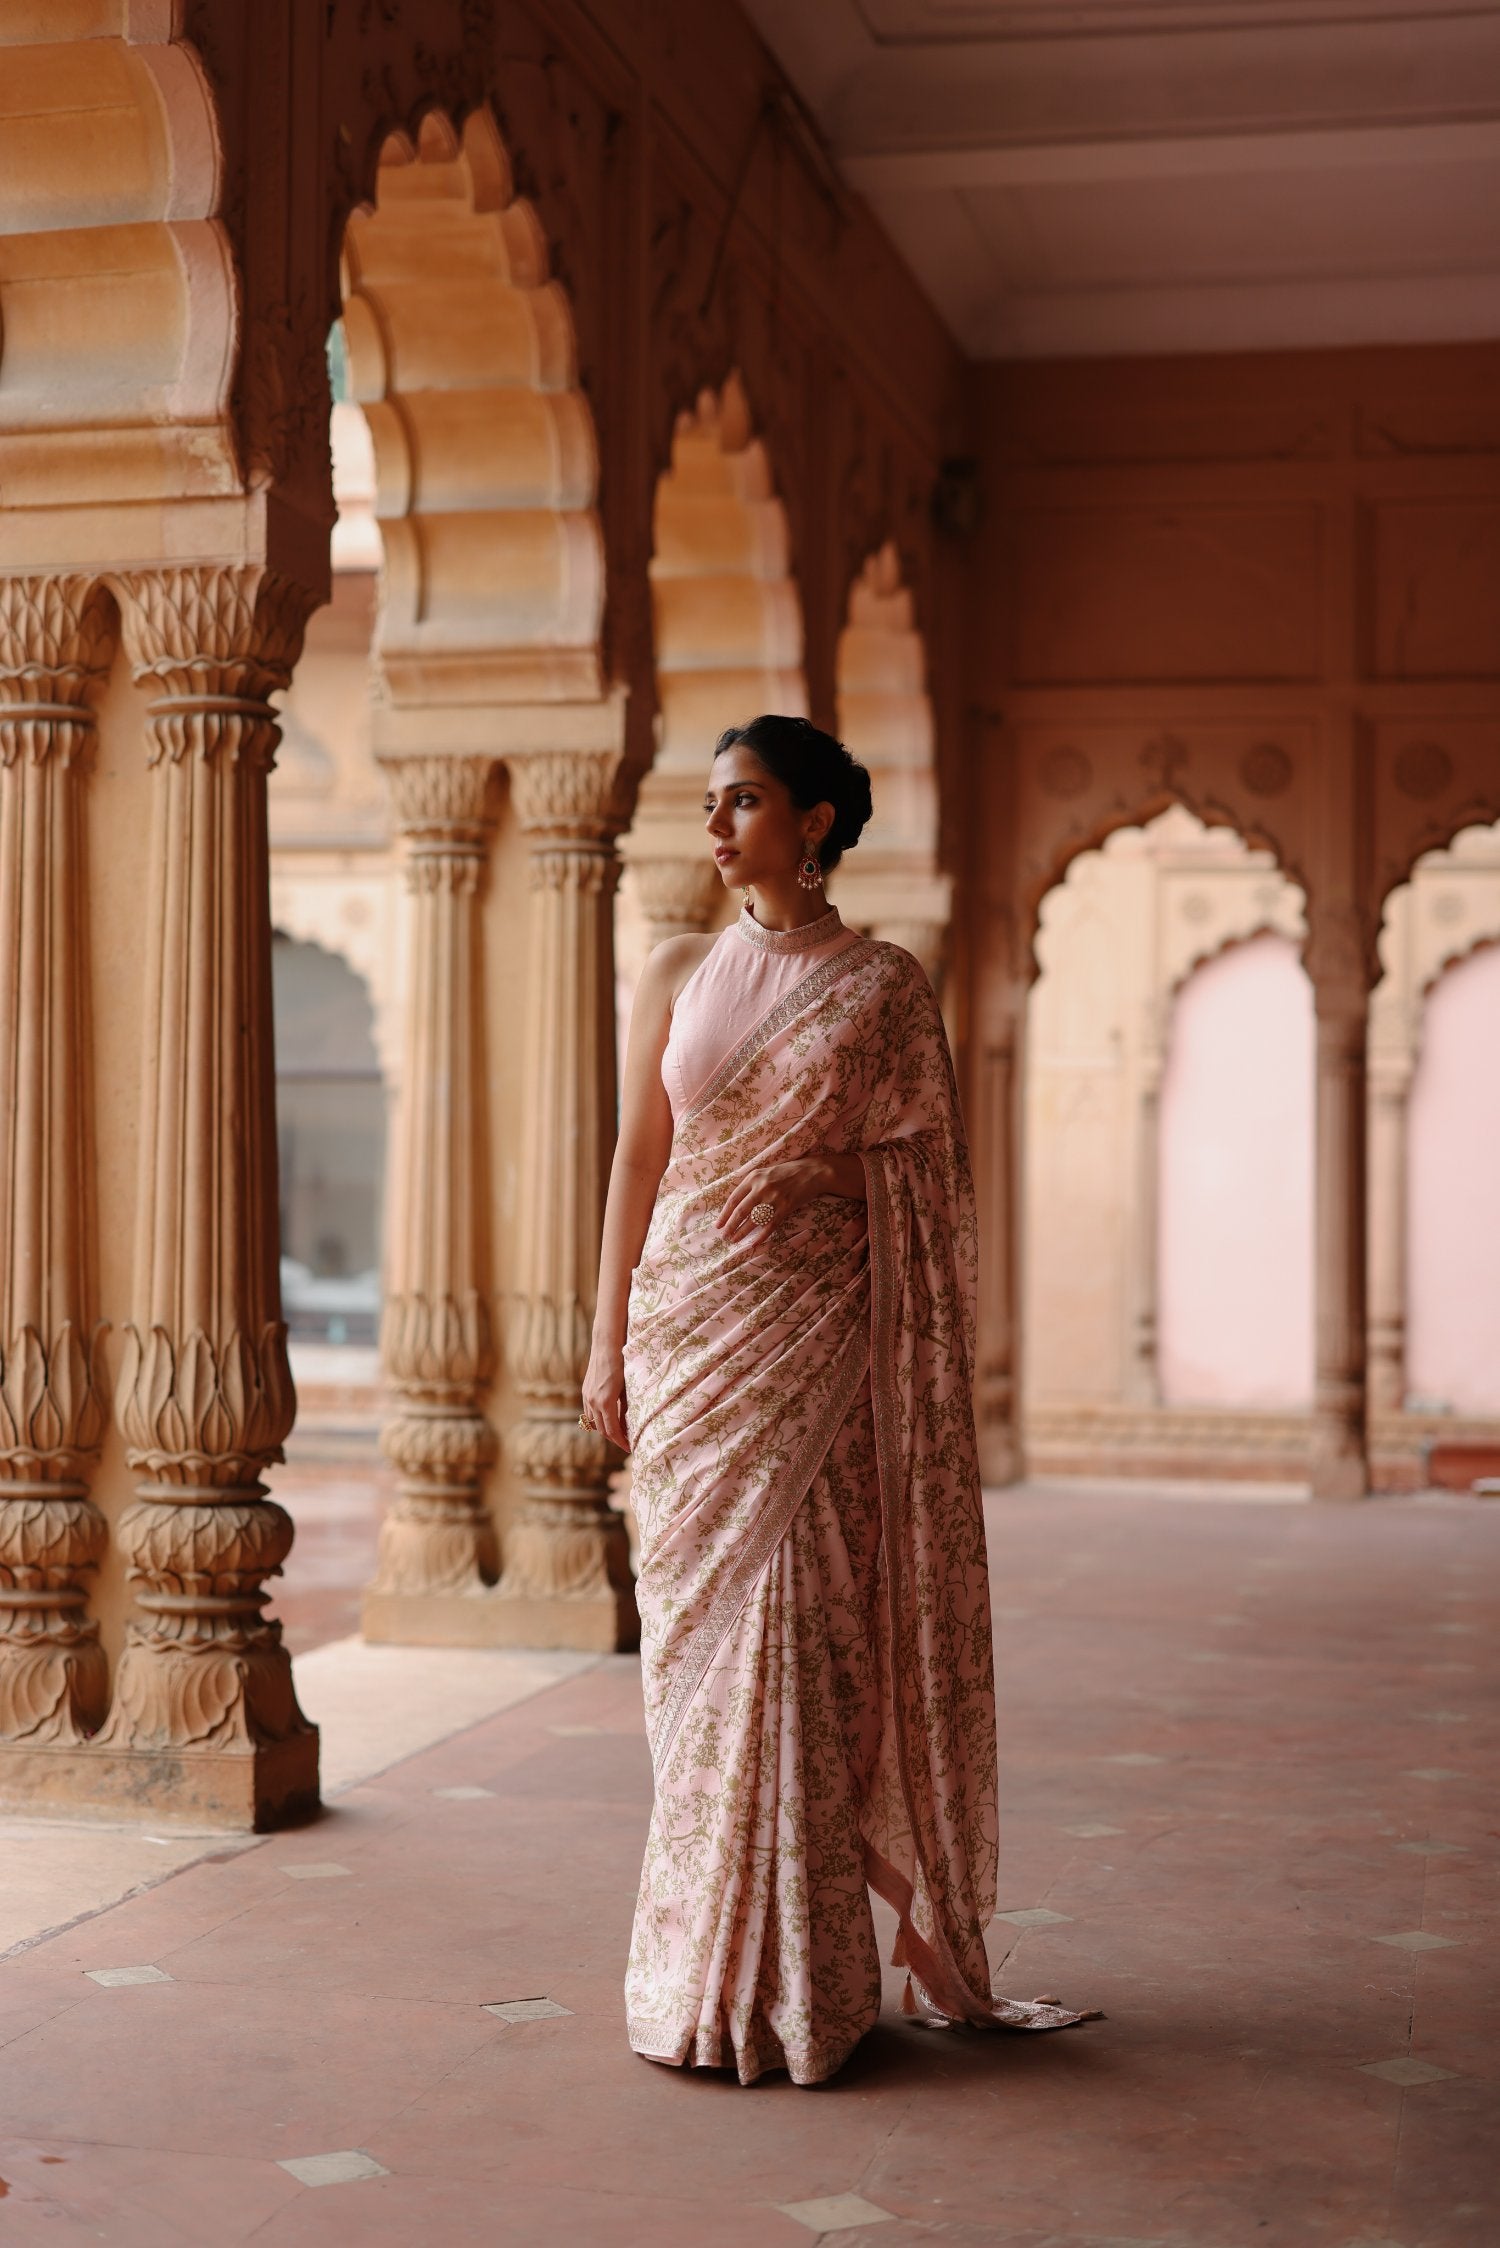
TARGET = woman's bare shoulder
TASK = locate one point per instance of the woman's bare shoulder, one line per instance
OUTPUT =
(670, 963)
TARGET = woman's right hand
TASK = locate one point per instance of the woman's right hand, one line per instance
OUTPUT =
(604, 1393)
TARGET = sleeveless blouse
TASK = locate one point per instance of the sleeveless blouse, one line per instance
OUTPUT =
(748, 970)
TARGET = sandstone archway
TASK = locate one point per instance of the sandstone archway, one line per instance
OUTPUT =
(462, 358)
(728, 624)
(1131, 924)
(1447, 910)
(892, 885)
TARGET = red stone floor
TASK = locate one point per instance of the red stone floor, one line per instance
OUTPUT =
(1244, 1746)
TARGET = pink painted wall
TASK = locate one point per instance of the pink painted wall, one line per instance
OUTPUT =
(1453, 1193)
(1235, 1279)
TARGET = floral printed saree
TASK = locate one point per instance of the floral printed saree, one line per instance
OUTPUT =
(813, 1590)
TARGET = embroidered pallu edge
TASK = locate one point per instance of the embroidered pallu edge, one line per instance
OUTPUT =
(933, 1962)
(810, 987)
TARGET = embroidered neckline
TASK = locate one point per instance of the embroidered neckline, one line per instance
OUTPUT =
(821, 931)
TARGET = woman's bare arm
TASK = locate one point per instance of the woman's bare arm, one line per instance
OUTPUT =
(641, 1153)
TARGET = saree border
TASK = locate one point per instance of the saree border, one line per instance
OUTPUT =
(951, 1984)
(807, 988)
(775, 1518)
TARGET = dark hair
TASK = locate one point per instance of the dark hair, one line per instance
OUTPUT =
(813, 769)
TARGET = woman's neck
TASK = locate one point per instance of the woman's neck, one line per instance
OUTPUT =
(783, 910)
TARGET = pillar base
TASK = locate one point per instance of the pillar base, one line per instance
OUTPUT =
(1000, 1457)
(597, 1623)
(253, 1789)
(1342, 1478)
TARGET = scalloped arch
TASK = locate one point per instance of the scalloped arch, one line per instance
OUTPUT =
(462, 358)
(893, 885)
(728, 639)
(1050, 864)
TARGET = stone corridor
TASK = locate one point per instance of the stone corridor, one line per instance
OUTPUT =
(1247, 1777)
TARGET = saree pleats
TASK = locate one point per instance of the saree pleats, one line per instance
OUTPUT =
(754, 1946)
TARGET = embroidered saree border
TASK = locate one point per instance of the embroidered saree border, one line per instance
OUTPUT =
(953, 1985)
(772, 1522)
(810, 987)
(932, 1958)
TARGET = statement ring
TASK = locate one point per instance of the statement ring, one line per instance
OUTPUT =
(763, 1213)
(585, 1422)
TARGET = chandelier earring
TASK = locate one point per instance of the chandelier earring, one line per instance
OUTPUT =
(809, 873)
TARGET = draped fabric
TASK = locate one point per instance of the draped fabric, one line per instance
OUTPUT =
(813, 1589)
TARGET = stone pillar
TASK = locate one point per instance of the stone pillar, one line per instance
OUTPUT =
(1390, 1084)
(54, 1684)
(567, 1579)
(204, 1722)
(1339, 1466)
(1143, 1385)
(437, 1544)
(677, 897)
(998, 1155)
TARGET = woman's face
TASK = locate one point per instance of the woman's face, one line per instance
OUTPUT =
(757, 833)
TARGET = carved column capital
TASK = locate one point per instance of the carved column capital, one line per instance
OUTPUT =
(568, 795)
(54, 651)
(443, 809)
(677, 896)
(214, 634)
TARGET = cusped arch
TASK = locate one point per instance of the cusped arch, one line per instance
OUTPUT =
(1447, 908)
(462, 357)
(728, 640)
(893, 885)
(1050, 865)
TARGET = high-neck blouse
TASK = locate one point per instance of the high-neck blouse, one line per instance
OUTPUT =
(739, 981)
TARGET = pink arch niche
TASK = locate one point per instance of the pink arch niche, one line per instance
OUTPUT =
(1235, 1274)
(1453, 1192)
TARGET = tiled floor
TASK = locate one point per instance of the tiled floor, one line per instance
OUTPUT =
(426, 2047)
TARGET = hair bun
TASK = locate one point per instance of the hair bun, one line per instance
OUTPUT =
(814, 769)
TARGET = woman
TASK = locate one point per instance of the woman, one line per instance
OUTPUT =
(783, 1343)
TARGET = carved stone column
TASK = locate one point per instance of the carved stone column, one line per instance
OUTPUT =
(676, 897)
(997, 1158)
(205, 1722)
(437, 1544)
(54, 1683)
(567, 1579)
(1339, 1465)
(1390, 1084)
(1142, 1378)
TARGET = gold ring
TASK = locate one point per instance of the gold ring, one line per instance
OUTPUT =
(763, 1213)
(585, 1422)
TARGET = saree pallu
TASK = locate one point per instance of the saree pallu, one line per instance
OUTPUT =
(813, 1588)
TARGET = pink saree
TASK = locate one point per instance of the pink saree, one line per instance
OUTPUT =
(813, 1588)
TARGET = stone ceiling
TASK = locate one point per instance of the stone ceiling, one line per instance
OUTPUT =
(1169, 175)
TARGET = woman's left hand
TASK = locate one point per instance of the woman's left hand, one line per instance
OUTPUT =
(786, 1186)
